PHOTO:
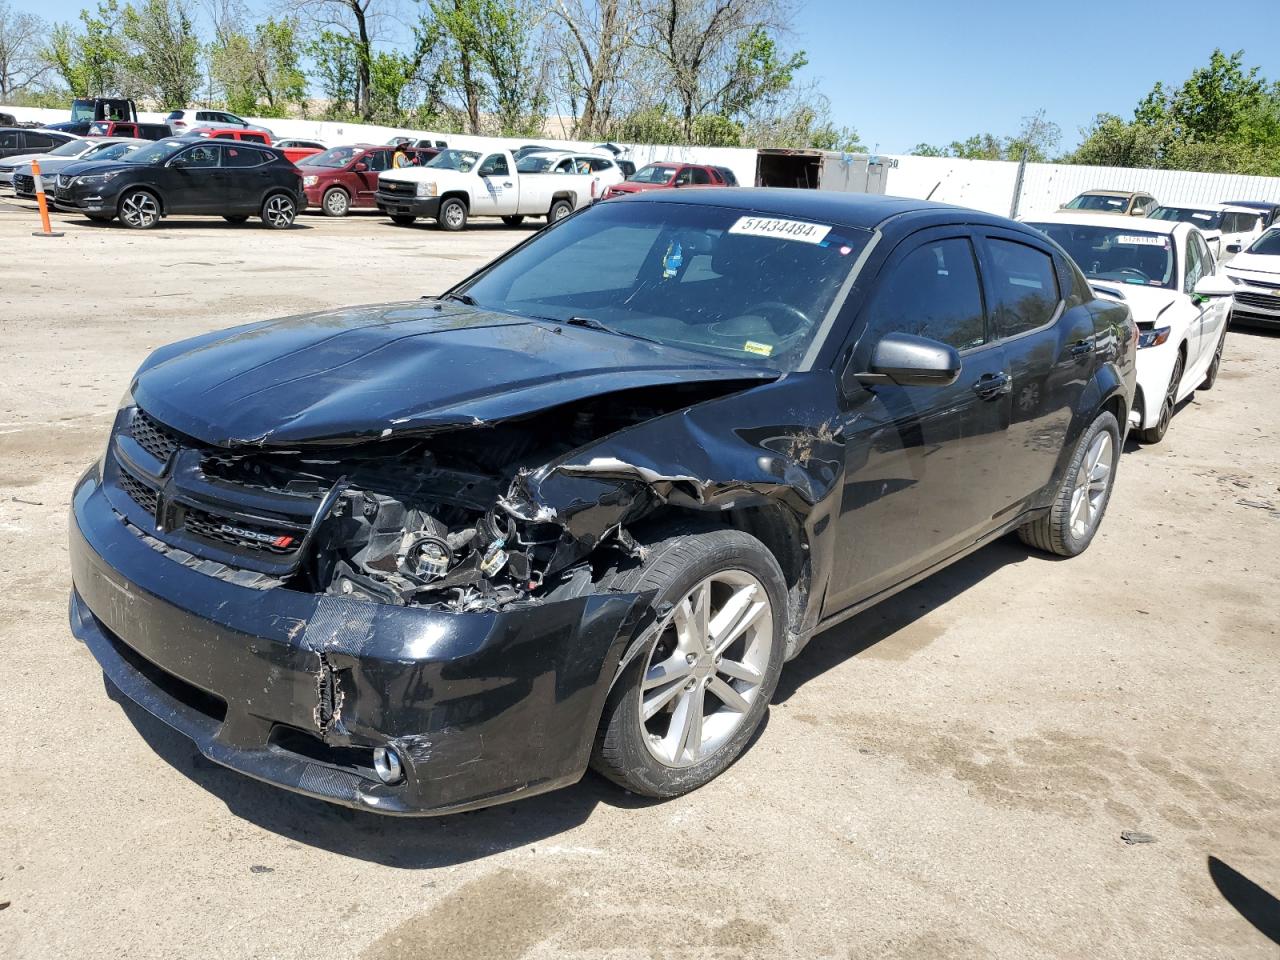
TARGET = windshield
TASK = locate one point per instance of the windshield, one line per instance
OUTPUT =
(652, 174)
(332, 159)
(1204, 219)
(535, 163)
(158, 152)
(72, 148)
(116, 151)
(1268, 244)
(1094, 201)
(81, 110)
(708, 279)
(460, 160)
(1118, 254)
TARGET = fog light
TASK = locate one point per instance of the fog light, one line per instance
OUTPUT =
(386, 764)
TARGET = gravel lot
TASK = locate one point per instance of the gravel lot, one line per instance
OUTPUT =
(946, 776)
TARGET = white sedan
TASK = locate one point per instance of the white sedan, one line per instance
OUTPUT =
(1226, 228)
(1165, 273)
(1256, 274)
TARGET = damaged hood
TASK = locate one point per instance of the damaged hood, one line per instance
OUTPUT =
(407, 368)
(1147, 303)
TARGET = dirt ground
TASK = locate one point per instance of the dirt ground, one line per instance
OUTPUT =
(946, 776)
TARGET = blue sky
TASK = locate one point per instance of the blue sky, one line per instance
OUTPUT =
(909, 71)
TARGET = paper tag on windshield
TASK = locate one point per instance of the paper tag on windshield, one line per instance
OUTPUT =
(782, 229)
(1143, 241)
(759, 349)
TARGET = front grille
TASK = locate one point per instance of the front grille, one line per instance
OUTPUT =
(236, 533)
(399, 188)
(138, 492)
(23, 183)
(1266, 301)
(1269, 284)
(155, 438)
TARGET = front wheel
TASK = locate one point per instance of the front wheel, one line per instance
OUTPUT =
(1082, 497)
(279, 211)
(691, 698)
(453, 215)
(559, 210)
(1211, 375)
(139, 210)
(1167, 405)
(335, 203)
(513, 221)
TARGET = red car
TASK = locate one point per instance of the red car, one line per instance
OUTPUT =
(292, 154)
(346, 177)
(660, 176)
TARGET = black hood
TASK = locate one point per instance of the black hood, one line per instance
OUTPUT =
(82, 167)
(418, 367)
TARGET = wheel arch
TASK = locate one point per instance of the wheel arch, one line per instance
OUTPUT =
(145, 188)
(457, 195)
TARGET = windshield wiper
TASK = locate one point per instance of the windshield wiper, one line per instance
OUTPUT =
(591, 323)
(466, 298)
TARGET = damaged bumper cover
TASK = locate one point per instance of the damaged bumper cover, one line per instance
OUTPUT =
(298, 689)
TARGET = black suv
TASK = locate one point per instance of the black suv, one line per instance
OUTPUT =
(432, 555)
(185, 175)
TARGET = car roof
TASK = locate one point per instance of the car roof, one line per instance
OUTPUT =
(1252, 204)
(1210, 207)
(1112, 193)
(865, 210)
(1143, 224)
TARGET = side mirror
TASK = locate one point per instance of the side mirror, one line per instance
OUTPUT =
(1214, 285)
(360, 167)
(1233, 248)
(909, 361)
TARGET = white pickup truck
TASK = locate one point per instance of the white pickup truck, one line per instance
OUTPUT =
(456, 185)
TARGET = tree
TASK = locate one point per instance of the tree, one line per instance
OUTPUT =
(334, 59)
(351, 24)
(1037, 137)
(91, 61)
(264, 66)
(21, 66)
(164, 51)
(596, 58)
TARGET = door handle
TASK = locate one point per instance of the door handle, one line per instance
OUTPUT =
(1081, 347)
(993, 385)
(506, 183)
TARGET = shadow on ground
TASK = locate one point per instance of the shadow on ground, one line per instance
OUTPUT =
(1251, 901)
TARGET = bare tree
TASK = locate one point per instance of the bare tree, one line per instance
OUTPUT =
(354, 18)
(598, 57)
(21, 38)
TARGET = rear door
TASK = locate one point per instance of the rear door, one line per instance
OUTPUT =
(923, 463)
(1050, 349)
(246, 175)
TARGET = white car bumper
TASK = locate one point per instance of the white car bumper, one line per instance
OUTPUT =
(1257, 302)
(1155, 368)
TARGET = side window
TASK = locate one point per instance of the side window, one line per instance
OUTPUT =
(701, 176)
(932, 292)
(565, 165)
(198, 157)
(378, 160)
(495, 165)
(1207, 264)
(254, 137)
(599, 163)
(1194, 267)
(38, 141)
(224, 135)
(238, 156)
(206, 115)
(8, 139)
(1024, 287)
(685, 176)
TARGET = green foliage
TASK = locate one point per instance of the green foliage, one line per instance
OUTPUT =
(334, 58)
(163, 57)
(1036, 138)
(91, 61)
(758, 75)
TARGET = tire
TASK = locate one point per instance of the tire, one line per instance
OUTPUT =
(403, 219)
(279, 211)
(139, 209)
(513, 221)
(335, 202)
(1155, 434)
(655, 757)
(235, 217)
(1211, 375)
(452, 215)
(559, 210)
(1060, 531)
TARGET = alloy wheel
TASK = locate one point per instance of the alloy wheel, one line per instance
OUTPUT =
(706, 668)
(140, 210)
(278, 211)
(336, 203)
(1171, 398)
(1092, 481)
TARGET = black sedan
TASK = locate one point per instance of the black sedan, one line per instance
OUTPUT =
(185, 175)
(434, 555)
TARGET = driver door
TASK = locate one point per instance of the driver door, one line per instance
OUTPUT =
(196, 182)
(498, 194)
(923, 463)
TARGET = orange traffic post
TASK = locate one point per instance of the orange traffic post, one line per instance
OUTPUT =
(44, 204)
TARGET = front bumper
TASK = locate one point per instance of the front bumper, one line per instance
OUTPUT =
(297, 689)
(1154, 371)
(76, 199)
(1257, 304)
(396, 204)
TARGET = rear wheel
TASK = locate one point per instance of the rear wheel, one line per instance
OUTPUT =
(690, 700)
(513, 221)
(1083, 494)
(559, 210)
(403, 219)
(452, 215)
(279, 211)
(335, 202)
(235, 217)
(1211, 375)
(139, 210)
(1168, 403)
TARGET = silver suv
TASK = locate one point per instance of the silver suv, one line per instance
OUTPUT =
(183, 121)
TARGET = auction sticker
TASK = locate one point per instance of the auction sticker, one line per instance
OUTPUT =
(1144, 240)
(783, 229)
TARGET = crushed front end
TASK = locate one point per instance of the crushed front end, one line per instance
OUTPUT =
(362, 623)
